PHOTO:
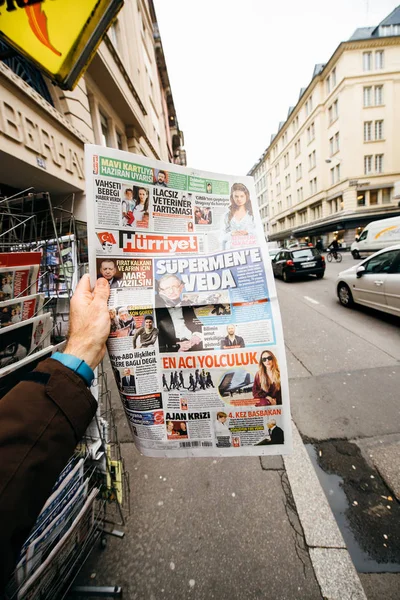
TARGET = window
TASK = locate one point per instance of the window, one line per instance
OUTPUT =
(286, 160)
(287, 181)
(313, 186)
(300, 194)
(279, 206)
(113, 33)
(379, 59)
(277, 170)
(367, 164)
(270, 179)
(361, 202)
(337, 142)
(367, 61)
(379, 163)
(333, 111)
(386, 196)
(367, 131)
(368, 96)
(311, 133)
(119, 141)
(332, 176)
(299, 173)
(297, 148)
(284, 139)
(309, 106)
(312, 160)
(278, 189)
(105, 131)
(303, 217)
(333, 75)
(378, 95)
(288, 201)
(328, 84)
(373, 197)
(381, 263)
(335, 174)
(316, 212)
(379, 130)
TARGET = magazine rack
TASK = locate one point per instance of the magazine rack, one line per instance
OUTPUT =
(29, 221)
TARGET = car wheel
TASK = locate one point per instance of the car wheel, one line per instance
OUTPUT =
(345, 295)
(286, 277)
(356, 254)
(320, 275)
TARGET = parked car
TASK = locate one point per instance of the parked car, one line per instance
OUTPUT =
(377, 236)
(374, 282)
(295, 262)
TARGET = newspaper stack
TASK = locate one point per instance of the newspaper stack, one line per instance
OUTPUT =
(196, 341)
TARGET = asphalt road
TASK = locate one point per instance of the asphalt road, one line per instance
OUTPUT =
(344, 370)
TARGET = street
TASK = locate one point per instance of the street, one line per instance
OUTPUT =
(228, 528)
(344, 383)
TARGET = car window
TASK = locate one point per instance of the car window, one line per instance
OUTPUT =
(305, 253)
(363, 235)
(396, 263)
(381, 263)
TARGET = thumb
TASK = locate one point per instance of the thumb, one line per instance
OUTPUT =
(101, 289)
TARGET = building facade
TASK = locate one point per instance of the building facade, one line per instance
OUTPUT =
(334, 164)
(123, 101)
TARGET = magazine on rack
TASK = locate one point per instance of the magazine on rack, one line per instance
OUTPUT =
(196, 340)
(59, 267)
(20, 309)
(20, 340)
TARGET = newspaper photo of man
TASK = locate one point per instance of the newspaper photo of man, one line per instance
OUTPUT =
(126, 322)
(161, 179)
(128, 382)
(232, 340)
(108, 269)
(179, 328)
(146, 336)
(275, 435)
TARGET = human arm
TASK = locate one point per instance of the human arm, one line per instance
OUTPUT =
(42, 419)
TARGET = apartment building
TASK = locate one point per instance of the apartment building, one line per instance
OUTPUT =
(123, 101)
(334, 164)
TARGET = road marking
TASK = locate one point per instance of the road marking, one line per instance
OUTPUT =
(311, 300)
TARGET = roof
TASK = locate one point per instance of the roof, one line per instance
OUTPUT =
(362, 33)
(392, 19)
(365, 33)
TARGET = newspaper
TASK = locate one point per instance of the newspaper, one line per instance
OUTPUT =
(59, 266)
(20, 309)
(22, 339)
(196, 341)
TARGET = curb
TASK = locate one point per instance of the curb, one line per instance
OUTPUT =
(331, 561)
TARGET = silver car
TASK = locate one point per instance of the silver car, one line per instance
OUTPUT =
(374, 282)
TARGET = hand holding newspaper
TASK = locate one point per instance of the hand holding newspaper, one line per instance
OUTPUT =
(196, 340)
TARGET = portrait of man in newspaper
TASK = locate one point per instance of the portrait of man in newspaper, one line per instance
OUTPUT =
(126, 322)
(275, 434)
(15, 344)
(239, 220)
(145, 336)
(128, 382)
(179, 330)
(232, 340)
(161, 178)
(107, 268)
(267, 381)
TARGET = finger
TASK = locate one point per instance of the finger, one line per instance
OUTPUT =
(101, 289)
(83, 286)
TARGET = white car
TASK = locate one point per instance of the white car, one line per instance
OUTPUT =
(374, 282)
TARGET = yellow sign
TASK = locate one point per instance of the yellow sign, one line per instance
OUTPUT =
(59, 36)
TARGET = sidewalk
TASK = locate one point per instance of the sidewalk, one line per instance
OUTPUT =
(224, 528)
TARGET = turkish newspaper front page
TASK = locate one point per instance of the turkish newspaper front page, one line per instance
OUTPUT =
(196, 341)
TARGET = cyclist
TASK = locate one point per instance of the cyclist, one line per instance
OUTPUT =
(334, 245)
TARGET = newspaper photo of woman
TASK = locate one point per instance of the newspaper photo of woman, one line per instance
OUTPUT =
(141, 210)
(239, 220)
(267, 382)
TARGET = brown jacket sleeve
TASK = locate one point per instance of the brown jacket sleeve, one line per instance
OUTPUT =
(40, 426)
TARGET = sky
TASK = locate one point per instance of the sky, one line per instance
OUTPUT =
(235, 67)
